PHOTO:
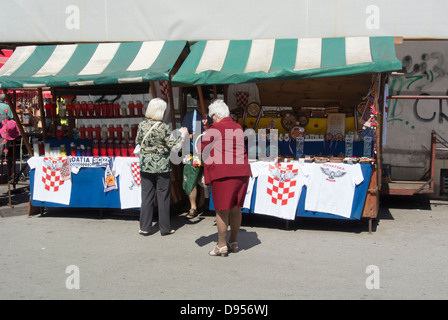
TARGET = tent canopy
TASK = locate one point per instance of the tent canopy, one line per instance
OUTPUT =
(244, 61)
(90, 64)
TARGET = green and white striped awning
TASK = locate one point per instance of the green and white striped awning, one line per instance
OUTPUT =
(243, 61)
(90, 64)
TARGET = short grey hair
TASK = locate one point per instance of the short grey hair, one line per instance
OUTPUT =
(156, 109)
(219, 108)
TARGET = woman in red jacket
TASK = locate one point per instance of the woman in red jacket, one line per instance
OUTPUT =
(227, 170)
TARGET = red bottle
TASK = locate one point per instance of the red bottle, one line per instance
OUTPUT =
(117, 148)
(84, 109)
(110, 109)
(89, 132)
(124, 148)
(77, 108)
(131, 107)
(73, 149)
(119, 132)
(111, 132)
(103, 148)
(103, 109)
(97, 108)
(134, 129)
(82, 132)
(70, 108)
(131, 147)
(110, 148)
(116, 110)
(95, 148)
(90, 109)
(139, 107)
(97, 130)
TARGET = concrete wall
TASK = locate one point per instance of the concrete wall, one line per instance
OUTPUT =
(410, 122)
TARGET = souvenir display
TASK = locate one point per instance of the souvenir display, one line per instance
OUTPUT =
(303, 120)
(297, 132)
(253, 109)
(288, 121)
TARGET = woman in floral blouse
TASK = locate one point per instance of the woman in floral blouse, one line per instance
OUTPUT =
(155, 166)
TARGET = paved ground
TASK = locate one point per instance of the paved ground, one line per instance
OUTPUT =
(406, 256)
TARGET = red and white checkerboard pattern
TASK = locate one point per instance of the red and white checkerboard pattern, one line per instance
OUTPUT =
(242, 99)
(164, 90)
(135, 167)
(279, 191)
(51, 176)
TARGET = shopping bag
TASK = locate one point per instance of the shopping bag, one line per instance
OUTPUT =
(137, 149)
(191, 176)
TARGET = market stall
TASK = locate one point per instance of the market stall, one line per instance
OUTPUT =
(89, 126)
(323, 96)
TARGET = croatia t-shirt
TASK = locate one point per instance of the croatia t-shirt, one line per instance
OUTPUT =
(257, 168)
(128, 170)
(332, 187)
(279, 189)
(52, 181)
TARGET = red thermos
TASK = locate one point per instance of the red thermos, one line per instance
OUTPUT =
(103, 109)
(110, 148)
(103, 148)
(116, 110)
(70, 110)
(90, 109)
(124, 148)
(111, 131)
(95, 148)
(131, 147)
(77, 107)
(97, 130)
(97, 108)
(84, 109)
(82, 132)
(139, 107)
(89, 132)
(119, 132)
(131, 107)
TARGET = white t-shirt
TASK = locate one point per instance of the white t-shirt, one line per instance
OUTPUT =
(48, 183)
(257, 168)
(331, 187)
(279, 189)
(130, 182)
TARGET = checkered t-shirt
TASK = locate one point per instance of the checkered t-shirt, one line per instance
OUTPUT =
(49, 182)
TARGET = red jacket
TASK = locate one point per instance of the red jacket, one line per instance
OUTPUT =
(223, 151)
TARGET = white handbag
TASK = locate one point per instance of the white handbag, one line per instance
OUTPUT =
(138, 147)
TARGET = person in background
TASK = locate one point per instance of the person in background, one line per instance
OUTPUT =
(155, 166)
(196, 122)
(5, 111)
(227, 169)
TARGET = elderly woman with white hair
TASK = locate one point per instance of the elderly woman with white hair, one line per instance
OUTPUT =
(227, 170)
(156, 143)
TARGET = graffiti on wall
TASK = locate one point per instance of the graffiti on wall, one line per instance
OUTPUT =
(422, 75)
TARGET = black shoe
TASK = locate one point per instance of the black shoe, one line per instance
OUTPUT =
(193, 213)
(168, 233)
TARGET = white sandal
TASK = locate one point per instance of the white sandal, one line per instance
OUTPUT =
(233, 246)
(222, 251)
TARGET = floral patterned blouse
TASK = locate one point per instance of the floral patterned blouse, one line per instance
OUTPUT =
(155, 150)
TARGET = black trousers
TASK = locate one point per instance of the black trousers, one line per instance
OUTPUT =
(152, 183)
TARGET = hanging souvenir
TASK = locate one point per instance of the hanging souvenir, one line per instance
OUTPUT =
(297, 131)
(288, 121)
(253, 109)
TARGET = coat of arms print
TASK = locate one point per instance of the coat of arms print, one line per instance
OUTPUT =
(53, 172)
(280, 183)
